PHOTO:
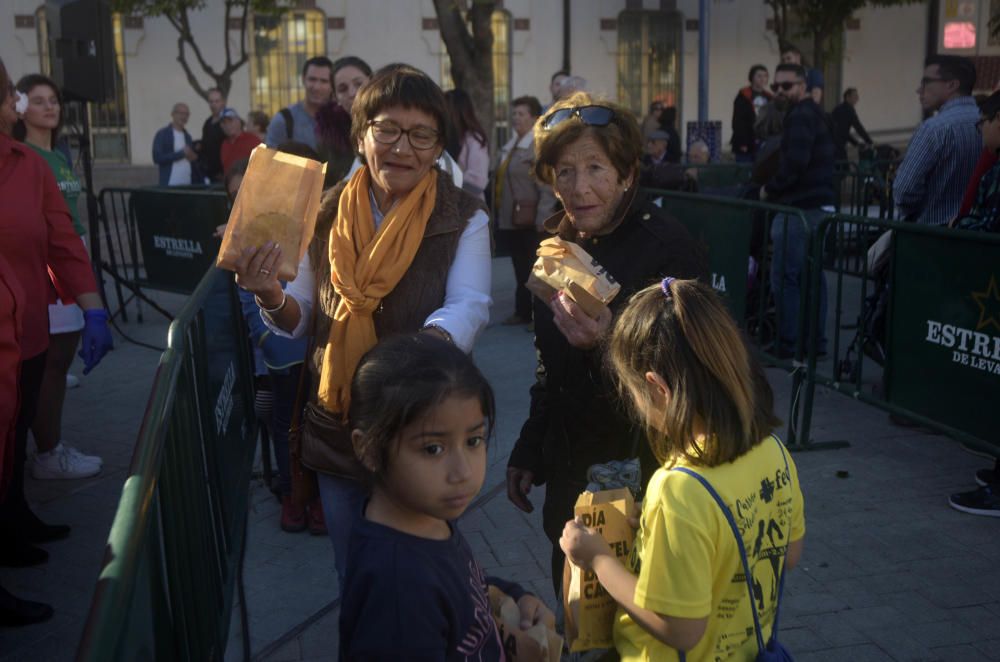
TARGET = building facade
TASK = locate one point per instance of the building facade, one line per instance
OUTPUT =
(629, 50)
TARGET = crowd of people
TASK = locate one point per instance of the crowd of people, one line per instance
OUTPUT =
(366, 353)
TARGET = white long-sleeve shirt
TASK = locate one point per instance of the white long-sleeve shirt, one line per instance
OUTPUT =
(467, 301)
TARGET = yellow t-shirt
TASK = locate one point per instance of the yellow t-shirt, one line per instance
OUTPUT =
(688, 563)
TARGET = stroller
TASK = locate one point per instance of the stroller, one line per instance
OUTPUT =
(870, 337)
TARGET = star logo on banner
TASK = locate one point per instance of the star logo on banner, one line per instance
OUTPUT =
(989, 305)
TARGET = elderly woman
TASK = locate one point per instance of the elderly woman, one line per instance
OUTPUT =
(521, 203)
(36, 239)
(398, 249)
(589, 152)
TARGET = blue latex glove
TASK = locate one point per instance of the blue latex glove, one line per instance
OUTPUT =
(97, 339)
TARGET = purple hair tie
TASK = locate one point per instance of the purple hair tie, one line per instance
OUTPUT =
(665, 286)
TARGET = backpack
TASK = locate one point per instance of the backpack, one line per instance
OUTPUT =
(289, 122)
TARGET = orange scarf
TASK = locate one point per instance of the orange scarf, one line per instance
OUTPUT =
(366, 266)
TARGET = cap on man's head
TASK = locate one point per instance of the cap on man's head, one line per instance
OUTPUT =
(229, 112)
(657, 135)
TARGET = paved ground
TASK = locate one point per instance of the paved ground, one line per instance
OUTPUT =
(889, 571)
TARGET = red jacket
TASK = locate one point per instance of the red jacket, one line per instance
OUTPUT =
(36, 238)
(986, 161)
(11, 319)
(237, 148)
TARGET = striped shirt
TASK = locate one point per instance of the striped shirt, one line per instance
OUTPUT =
(938, 164)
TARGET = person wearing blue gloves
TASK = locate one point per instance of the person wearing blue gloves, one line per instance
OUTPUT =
(36, 239)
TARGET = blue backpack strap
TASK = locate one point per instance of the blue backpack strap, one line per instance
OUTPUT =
(781, 580)
(739, 543)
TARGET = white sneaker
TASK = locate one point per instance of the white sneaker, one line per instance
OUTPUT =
(59, 463)
(72, 381)
(81, 457)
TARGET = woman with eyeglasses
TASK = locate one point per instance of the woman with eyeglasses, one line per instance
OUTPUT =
(38, 127)
(397, 249)
(589, 152)
(36, 237)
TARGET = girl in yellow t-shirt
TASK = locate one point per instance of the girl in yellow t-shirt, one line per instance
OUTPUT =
(682, 364)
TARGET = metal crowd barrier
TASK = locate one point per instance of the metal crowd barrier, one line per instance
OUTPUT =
(721, 179)
(917, 333)
(166, 585)
(737, 237)
(155, 239)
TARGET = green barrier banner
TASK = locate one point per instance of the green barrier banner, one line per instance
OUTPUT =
(944, 342)
(175, 231)
(724, 231)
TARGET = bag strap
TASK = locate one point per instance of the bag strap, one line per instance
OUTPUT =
(289, 122)
(743, 553)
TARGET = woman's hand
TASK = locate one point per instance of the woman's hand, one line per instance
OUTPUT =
(534, 611)
(257, 272)
(582, 544)
(518, 485)
(580, 330)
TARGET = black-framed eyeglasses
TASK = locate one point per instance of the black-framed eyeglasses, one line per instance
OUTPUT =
(388, 132)
(926, 80)
(589, 115)
(784, 85)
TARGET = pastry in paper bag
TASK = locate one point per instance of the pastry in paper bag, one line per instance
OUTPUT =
(589, 608)
(539, 643)
(563, 265)
(278, 201)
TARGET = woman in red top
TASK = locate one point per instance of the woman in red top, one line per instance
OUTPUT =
(36, 237)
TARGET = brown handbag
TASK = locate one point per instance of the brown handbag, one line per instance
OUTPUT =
(326, 444)
(525, 210)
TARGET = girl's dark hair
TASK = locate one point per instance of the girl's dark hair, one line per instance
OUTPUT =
(24, 86)
(464, 121)
(691, 341)
(754, 69)
(398, 381)
(351, 61)
(668, 120)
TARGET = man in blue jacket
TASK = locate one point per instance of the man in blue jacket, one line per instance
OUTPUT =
(173, 150)
(805, 180)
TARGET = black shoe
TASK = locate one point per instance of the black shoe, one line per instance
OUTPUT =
(15, 612)
(32, 529)
(984, 501)
(986, 477)
(19, 554)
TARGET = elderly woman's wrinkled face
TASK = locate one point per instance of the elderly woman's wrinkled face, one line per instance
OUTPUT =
(587, 184)
(396, 168)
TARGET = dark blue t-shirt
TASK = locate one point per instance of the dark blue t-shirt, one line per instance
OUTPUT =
(410, 598)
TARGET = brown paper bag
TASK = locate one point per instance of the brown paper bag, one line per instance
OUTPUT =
(590, 611)
(562, 265)
(278, 201)
(539, 643)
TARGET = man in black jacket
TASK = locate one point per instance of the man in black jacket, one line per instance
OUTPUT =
(212, 136)
(845, 118)
(805, 180)
(748, 102)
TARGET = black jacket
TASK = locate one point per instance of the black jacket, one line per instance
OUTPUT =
(805, 172)
(744, 140)
(576, 419)
(210, 157)
(845, 118)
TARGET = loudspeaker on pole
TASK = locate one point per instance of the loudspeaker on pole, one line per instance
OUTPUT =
(81, 48)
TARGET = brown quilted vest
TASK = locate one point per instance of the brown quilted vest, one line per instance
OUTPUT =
(421, 290)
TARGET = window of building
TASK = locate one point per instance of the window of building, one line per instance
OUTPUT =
(280, 45)
(109, 139)
(501, 24)
(649, 59)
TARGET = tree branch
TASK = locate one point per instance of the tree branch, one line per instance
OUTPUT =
(225, 35)
(192, 79)
(188, 38)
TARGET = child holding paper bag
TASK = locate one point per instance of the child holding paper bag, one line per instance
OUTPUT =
(690, 587)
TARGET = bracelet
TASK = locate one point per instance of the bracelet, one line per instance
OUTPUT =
(277, 309)
(441, 330)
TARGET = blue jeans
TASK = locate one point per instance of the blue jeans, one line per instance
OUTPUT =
(285, 387)
(342, 499)
(791, 247)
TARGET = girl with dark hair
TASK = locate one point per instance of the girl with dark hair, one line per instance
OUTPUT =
(421, 414)
(333, 120)
(697, 584)
(36, 237)
(38, 127)
(468, 145)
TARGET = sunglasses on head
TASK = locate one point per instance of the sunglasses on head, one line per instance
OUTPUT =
(787, 85)
(589, 115)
